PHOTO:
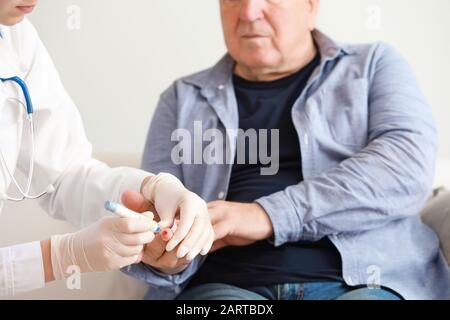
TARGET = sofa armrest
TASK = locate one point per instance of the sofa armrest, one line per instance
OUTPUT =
(436, 214)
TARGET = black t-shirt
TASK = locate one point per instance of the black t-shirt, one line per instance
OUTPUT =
(268, 105)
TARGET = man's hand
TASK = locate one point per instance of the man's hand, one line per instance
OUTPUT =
(238, 224)
(155, 253)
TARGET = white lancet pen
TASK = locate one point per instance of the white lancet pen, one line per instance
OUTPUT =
(124, 212)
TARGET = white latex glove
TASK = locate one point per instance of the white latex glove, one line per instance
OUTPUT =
(109, 244)
(171, 199)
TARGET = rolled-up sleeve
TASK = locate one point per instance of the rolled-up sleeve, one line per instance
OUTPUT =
(387, 180)
(21, 269)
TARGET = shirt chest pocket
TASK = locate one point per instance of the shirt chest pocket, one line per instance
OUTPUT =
(346, 111)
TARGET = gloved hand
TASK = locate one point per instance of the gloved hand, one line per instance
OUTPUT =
(109, 244)
(171, 200)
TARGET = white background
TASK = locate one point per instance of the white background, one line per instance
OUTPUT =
(127, 52)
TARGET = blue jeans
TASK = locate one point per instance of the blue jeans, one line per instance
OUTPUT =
(289, 291)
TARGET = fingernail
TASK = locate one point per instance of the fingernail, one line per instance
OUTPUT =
(170, 246)
(164, 224)
(182, 252)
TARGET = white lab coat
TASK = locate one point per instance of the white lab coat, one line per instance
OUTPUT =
(62, 153)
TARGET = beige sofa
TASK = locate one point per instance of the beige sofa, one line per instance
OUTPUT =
(114, 285)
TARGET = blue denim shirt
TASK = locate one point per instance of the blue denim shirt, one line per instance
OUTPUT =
(368, 144)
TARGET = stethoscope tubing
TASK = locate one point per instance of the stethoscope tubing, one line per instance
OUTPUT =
(28, 106)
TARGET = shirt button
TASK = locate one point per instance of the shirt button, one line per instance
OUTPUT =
(221, 87)
(221, 195)
(306, 138)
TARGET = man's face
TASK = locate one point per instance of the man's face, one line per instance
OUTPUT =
(267, 33)
(13, 11)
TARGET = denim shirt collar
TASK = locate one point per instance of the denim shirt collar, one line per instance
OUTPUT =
(220, 75)
(216, 84)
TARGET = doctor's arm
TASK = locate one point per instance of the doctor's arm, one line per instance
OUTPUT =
(63, 154)
(63, 158)
(109, 244)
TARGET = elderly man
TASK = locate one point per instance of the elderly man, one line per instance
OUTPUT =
(353, 143)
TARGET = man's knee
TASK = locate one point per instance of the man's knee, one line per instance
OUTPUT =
(218, 291)
(369, 294)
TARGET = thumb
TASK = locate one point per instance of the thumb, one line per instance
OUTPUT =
(167, 206)
(220, 230)
(136, 202)
(166, 223)
(167, 213)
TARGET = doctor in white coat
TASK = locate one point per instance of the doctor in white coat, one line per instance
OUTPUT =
(67, 181)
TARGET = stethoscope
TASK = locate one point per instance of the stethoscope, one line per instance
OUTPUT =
(29, 108)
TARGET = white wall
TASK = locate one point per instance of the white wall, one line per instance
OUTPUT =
(127, 52)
